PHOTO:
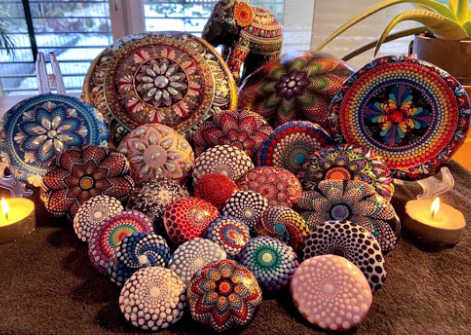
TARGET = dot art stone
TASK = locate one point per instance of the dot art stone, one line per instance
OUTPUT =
(137, 251)
(187, 218)
(93, 213)
(215, 188)
(106, 238)
(247, 206)
(153, 298)
(229, 233)
(331, 292)
(192, 255)
(271, 261)
(354, 243)
(279, 186)
(284, 224)
(156, 151)
(223, 295)
(222, 159)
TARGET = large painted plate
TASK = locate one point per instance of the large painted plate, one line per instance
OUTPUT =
(411, 113)
(175, 79)
(35, 130)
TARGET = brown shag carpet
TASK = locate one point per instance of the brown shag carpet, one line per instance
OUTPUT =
(48, 286)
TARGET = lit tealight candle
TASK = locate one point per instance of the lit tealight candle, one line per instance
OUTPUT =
(435, 223)
(17, 218)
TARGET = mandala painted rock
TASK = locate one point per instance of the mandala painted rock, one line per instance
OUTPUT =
(411, 113)
(106, 238)
(223, 295)
(291, 144)
(243, 129)
(284, 224)
(299, 86)
(215, 188)
(247, 206)
(175, 79)
(222, 159)
(78, 174)
(35, 130)
(331, 292)
(137, 251)
(153, 298)
(188, 218)
(357, 202)
(192, 255)
(355, 243)
(347, 162)
(93, 213)
(271, 261)
(153, 197)
(229, 233)
(279, 186)
(157, 151)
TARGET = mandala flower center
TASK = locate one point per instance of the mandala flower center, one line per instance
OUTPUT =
(161, 81)
(248, 213)
(292, 84)
(224, 287)
(52, 133)
(86, 183)
(143, 260)
(328, 288)
(280, 228)
(397, 116)
(155, 291)
(155, 156)
(339, 173)
(98, 215)
(340, 212)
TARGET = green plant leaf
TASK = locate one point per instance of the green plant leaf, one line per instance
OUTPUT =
(431, 4)
(462, 10)
(467, 27)
(437, 24)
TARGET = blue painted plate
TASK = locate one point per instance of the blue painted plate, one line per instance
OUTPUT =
(38, 128)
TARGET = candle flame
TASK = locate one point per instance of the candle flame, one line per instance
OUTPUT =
(5, 208)
(435, 207)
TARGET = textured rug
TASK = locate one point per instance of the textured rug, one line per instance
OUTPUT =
(48, 286)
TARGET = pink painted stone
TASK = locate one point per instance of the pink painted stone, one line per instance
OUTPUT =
(331, 292)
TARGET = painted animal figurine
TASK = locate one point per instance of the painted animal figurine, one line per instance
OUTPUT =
(250, 35)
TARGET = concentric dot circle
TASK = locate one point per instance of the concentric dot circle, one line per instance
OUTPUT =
(229, 233)
(193, 255)
(331, 292)
(94, 212)
(271, 261)
(247, 206)
(353, 242)
(153, 298)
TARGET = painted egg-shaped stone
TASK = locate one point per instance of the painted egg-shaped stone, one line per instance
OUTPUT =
(215, 188)
(229, 233)
(247, 206)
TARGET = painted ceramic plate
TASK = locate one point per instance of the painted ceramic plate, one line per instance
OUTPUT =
(411, 113)
(35, 130)
(175, 79)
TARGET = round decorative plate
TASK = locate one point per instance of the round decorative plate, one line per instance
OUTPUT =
(172, 78)
(348, 162)
(411, 113)
(290, 145)
(37, 129)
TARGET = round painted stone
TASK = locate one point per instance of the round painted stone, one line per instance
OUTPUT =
(153, 197)
(153, 298)
(106, 238)
(215, 188)
(299, 86)
(223, 295)
(192, 255)
(247, 206)
(156, 151)
(291, 144)
(411, 113)
(331, 292)
(355, 243)
(175, 79)
(137, 251)
(229, 233)
(222, 159)
(35, 130)
(93, 213)
(284, 224)
(242, 129)
(279, 186)
(79, 174)
(188, 218)
(348, 162)
(271, 261)
(357, 202)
